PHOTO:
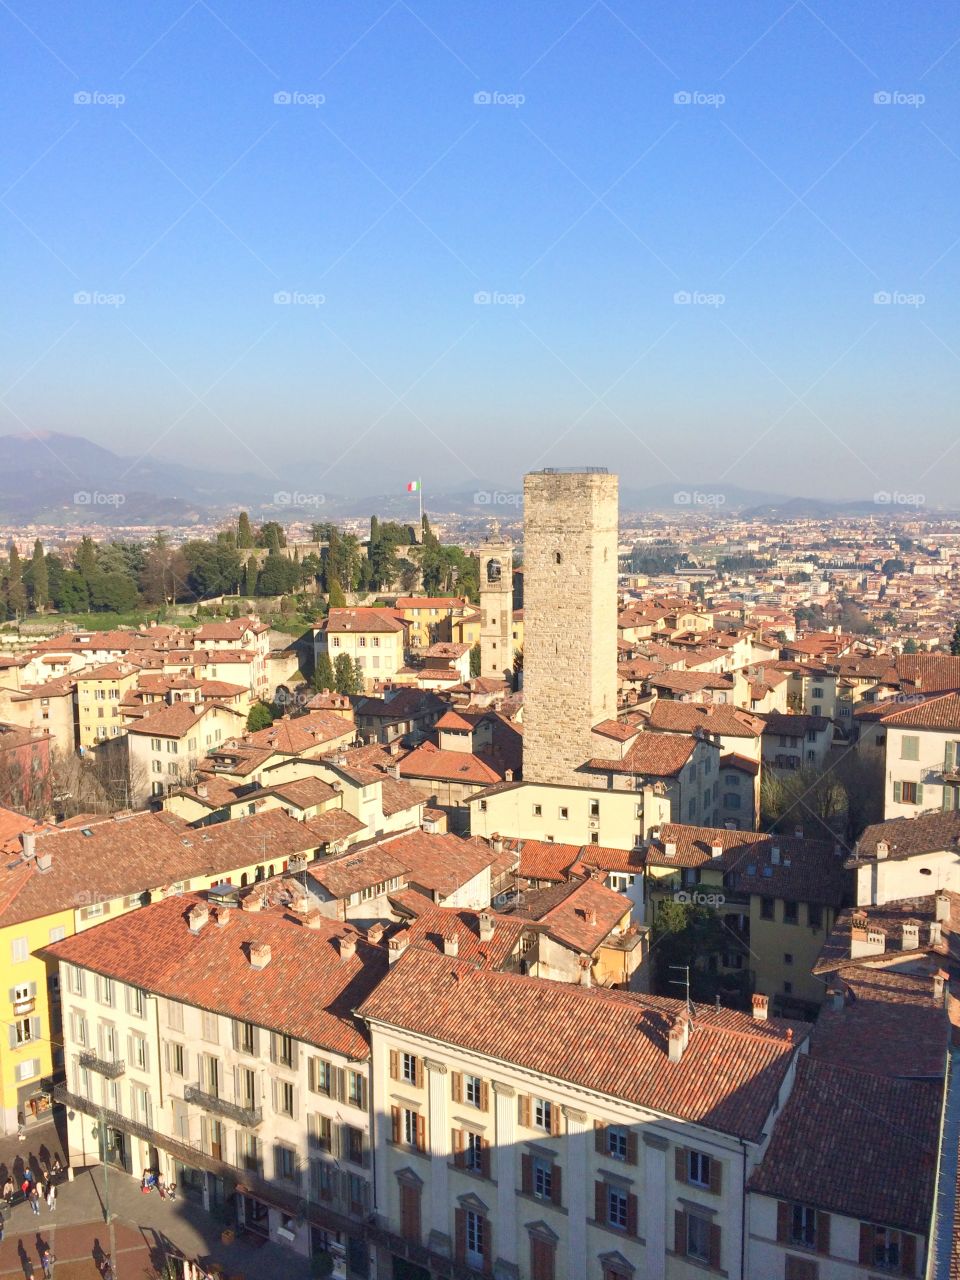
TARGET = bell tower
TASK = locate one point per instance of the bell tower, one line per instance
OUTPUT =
(496, 607)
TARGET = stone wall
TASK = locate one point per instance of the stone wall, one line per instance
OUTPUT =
(570, 620)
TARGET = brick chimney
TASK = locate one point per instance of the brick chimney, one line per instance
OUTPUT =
(675, 1041)
(375, 933)
(348, 946)
(220, 917)
(486, 926)
(197, 917)
(865, 941)
(496, 843)
(315, 920)
(942, 904)
(451, 944)
(252, 902)
(397, 946)
(586, 977)
(259, 955)
(761, 1007)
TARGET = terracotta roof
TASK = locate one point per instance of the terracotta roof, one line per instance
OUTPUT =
(432, 925)
(302, 793)
(439, 863)
(357, 869)
(360, 621)
(889, 920)
(890, 1024)
(153, 948)
(611, 1042)
(654, 754)
(732, 760)
(907, 837)
(547, 860)
(933, 672)
(429, 762)
(429, 602)
(717, 718)
(793, 726)
(397, 795)
(175, 721)
(942, 711)
(401, 704)
(333, 825)
(617, 730)
(585, 914)
(452, 720)
(856, 1144)
(12, 826)
(292, 735)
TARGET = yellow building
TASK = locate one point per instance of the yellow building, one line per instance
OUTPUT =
(58, 882)
(100, 691)
(373, 638)
(432, 619)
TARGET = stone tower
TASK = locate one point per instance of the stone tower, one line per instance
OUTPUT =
(496, 608)
(570, 620)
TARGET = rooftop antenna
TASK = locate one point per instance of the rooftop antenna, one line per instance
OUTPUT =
(685, 983)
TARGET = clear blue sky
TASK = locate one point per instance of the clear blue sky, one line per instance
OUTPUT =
(598, 198)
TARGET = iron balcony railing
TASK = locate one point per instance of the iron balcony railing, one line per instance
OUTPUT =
(246, 1117)
(109, 1067)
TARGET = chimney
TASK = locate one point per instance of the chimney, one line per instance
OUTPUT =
(586, 978)
(943, 907)
(670, 849)
(397, 946)
(259, 955)
(798, 832)
(866, 942)
(315, 920)
(939, 984)
(220, 916)
(197, 917)
(252, 902)
(761, 1007)
(910, 937)
(675, 1041)
(838, 998)
(29, 842)
(202, 790)
(44, 861)
(451, 944)
(395, 772)
(375, 933)
(883, 850)
(775, 854)
(716, 849)
(508, 775)
(486, 926)
(936, 933)
(592, 918)
(496, 843)
(348, 946)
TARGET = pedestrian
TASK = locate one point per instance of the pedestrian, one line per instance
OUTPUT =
(171, 1191)
(8, 1191)
(35, 1201)
(52, 1196)
(46, 1261)
(57, 1166)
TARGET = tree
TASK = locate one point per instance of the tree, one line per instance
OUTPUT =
(259, 717)
(323, 677)
(803, 797)
(955, 640)
(250, 576)
(335, 597)
(687, 935)
(277, 576)
(910, 645)
(345, 675)
(517, 666)
(14, 590)
(272, 537)
(164, 570)
(37, 579)
(408, 574)
(73, 594)
(244, 532)
(475, 660)
(112, 593)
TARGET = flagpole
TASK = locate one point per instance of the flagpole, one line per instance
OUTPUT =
(420, 496)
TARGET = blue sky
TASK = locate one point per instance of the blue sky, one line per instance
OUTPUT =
(782, 197)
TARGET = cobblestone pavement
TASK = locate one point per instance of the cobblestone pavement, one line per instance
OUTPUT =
(143, 1229)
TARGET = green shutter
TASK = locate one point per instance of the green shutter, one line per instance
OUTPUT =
(897, 793)
(949, 756)
(919, 793)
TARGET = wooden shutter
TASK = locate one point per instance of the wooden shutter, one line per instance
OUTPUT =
(484, 1158)
(456, 1143)
(484, 1096)
(919, 793)
(395, 1123)
(460, 1231)
(631, 1215)
(949, 756)
(897, 792)
(716, 1176)
(339, 1083)
(456, 1086)
(599, 1138)
(556, 1184)
(421, 1133)
(394, 1064)
(486, 1239)
(410, 1211)
(714, 1244)
(866, 1244)
(526, 1174)
(523, 1109)
(680, 1233)
(631, 1147)
(554, 1119)
(783, 1222)
(680, 1164)
(418, 1072)
(823, 1232)
(600, 1202)
(908, 1254)
(800, 1268)
(542, 1258)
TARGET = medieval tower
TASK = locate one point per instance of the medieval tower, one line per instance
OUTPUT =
(570, 620)
(496, 608)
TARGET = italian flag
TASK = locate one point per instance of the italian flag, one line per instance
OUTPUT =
(413, 486)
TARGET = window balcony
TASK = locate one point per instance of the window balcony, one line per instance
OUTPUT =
(109, 1067)
(246, 1117)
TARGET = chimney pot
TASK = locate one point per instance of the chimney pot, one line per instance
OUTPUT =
(761, 1007)
(496, 843)
(221, 916)
(486, 926)
(197, 917)
(348, 946)
(29, 842)
(314, 920)
(375, 932)
(259, 955)
(396, 946)
(451, 945)
(675, 1042)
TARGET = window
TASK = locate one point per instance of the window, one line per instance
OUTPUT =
(803, 1225)
(353, 1144)
(616, 1208)
(698, 1238)
(20, 949)
(136, 1002)
(105, 991)
(538, 810)
(698, 1169)
(908, 793)
(616, 1142)
(473, 1157)
(246, 1083)
(408, 1067)
(788, 957)
(594, 808)
(563, 813)
(285, 1098)
(789, 913)
(357, 1088)
(285, 1163)
(475, 1231)
(174, 1016)
(28, 1069)
(284, 1051)
(246, 1037)
(800, 1268)
(178, 1065)
(25, 1031)
(320, 1129)
(411, 1127)
(788, 988)
(58, 933)
(320, 1076)
(892, 1250)
(542, 1178)
(766, 909)
(910, 747)
(473, 1090)
(138, 1052)
(543, 1114)
(818, 693)
(210, 1027)
(76, 980)
(156, 744)
(731, 800)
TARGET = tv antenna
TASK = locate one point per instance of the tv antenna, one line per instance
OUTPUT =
(685, 983)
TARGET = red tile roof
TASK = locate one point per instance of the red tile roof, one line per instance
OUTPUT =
(432, 925)
(659, 755)
(942, 711)
(153, 948)
(360, 621)
(717, 718)
(430, 762)
(612, 1042)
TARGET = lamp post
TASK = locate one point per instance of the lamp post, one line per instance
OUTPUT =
(100, 1132)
